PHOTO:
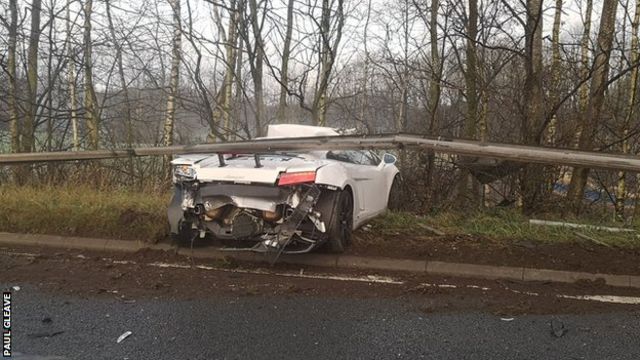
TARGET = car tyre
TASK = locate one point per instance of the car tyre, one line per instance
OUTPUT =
(186, 234)
(395, 194)
(336, 208)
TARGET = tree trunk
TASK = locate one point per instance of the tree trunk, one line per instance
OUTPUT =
(174, 77)
(585, 68)
(555, 71)
(27, 142)
(434, 101)
(237, 103)
(598, 87)
(222, 113)
(284, 68)
(72, 82)
(327, 59)
(230, 63)
(466, 188)
(14, 126)
(256, 69)
(621, 189)
(90, 101)
(122, 78)
(128, 123)
(50, 85)
(532, 176)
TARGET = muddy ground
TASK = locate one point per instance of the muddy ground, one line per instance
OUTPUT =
(129, 277)
(578, 256)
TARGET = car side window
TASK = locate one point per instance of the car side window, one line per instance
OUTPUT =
(370, 158)
(350, 156)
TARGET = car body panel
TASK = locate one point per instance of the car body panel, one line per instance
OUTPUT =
(249, 181)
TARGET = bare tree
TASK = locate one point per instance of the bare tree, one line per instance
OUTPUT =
(585, 66)
(599, 83)
(555, 69)
(27, 142)
(632, 94)
(123, 80)
(284, 67)
(71, 81)
(174, 77)
(256, 61)
(327, 55)
(90, 101)
(14, 128)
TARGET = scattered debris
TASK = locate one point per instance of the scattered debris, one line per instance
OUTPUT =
(578, 226)
(557, 328)
(47, 320)
(507, 319)
(125, 335)
(431, 229)
(589, 238)
(45, 334)
(528, 244)
(16, 288)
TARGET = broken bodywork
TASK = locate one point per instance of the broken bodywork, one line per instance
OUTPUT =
(285, 202)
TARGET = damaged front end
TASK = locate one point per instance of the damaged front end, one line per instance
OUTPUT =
(253, 217)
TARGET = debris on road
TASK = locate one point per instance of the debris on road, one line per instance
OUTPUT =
(45, 334)
(507, 319)
(125, 335)
(557, 328)
(16, 288)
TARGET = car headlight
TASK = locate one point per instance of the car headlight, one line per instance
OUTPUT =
(184, 172)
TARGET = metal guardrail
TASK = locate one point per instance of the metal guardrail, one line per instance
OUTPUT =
(518, 153)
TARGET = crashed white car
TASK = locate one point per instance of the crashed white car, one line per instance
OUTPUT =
(282, 201)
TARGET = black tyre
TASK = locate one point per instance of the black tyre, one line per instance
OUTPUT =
(395, 194)
(186, 234)
(336, 208)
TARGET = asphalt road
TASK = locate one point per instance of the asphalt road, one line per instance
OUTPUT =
(75, 307)
(268, 327)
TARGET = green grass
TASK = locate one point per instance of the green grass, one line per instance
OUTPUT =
(127, 214)
(502, 225)
(82, 211)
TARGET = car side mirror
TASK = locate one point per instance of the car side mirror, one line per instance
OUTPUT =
(389, 159)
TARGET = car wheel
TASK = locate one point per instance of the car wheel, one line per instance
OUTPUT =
(337, 213)
(186, 234)
(395, 194)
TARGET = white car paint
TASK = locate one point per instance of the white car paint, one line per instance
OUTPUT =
(369, 183)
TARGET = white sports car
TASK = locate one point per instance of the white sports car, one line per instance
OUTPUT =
(287, 202)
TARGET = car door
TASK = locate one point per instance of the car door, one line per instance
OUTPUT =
(365, 174)
(378, 186)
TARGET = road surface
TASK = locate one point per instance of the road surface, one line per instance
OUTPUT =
(75, 306)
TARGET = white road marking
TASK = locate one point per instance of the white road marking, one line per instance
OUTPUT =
(367, 278)
(604, 298)
(613, 299)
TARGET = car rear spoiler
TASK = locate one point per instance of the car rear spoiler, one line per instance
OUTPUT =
(222, 163)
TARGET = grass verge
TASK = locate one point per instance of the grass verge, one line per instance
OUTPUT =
(501, 225)
(130, 215)
(83, 211)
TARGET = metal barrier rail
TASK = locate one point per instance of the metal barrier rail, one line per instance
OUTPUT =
(518, 153)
